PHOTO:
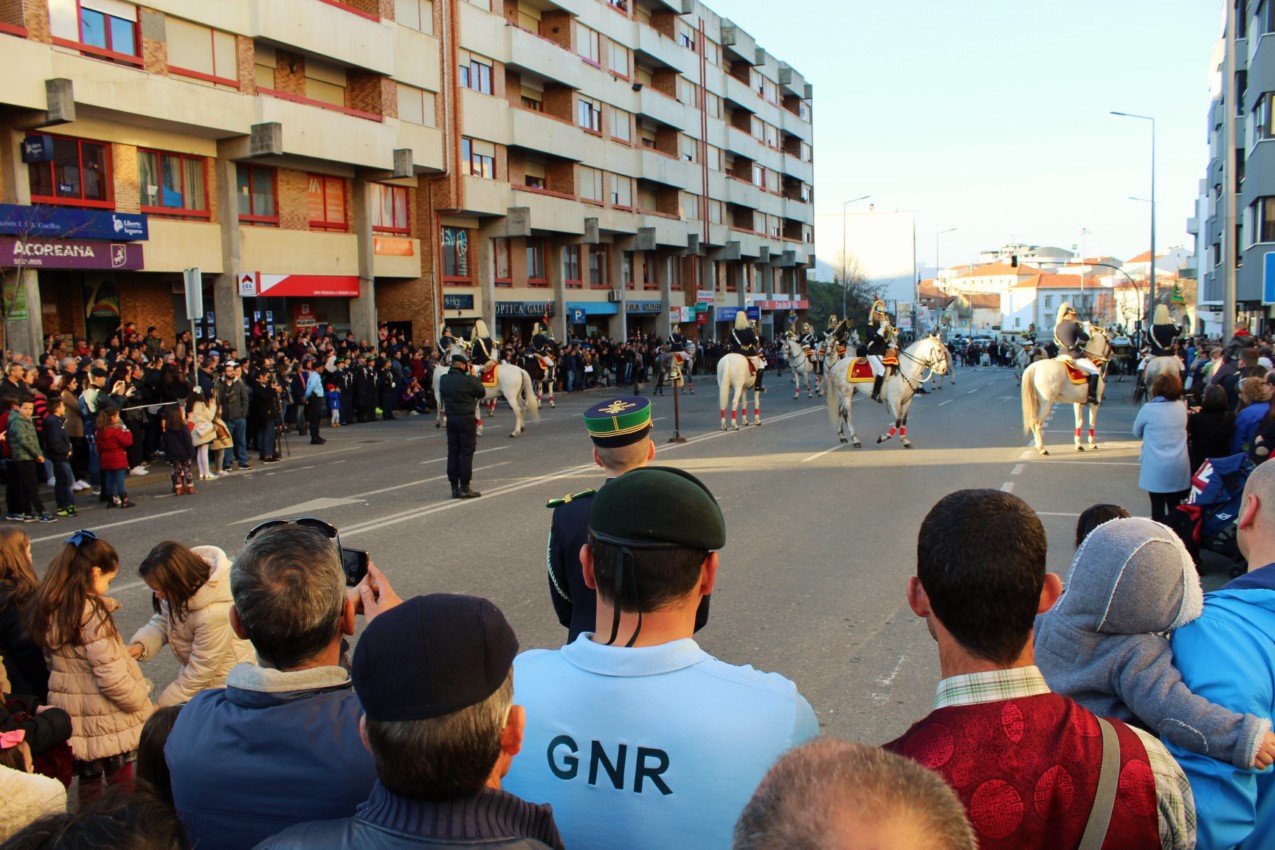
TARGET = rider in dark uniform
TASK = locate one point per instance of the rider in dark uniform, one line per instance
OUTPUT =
(1030, 334)
(877, 345)
(1070, 337)
(676, 339)
(482, 348)
(744, 341)
(539, 340)
(445, 341)
(1163, 333)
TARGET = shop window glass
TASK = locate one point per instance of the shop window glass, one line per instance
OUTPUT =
(172, 183)
(456, 268)
(79, 175)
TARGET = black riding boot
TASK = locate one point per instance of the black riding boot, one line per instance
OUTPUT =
(757, 383)
(455, 490)
(1093, 389)
(876, 388)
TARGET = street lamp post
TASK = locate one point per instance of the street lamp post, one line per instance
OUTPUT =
(845, 251)
(1152, 120)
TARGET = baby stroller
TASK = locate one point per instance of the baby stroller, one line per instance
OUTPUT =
(1207, 520)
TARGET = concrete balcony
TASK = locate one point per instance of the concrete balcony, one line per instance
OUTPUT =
(120, 91)
(663, 49)
(743, 193)
(741, 94)
(426, 143)
(537, 131)
(418, 59)
(739, 142)
(387, 265)
(794, 125)
(484, 33)
(670, 232)
(322, 29)
(175, 245)
(274, 251)
(485, 117)
(719, 234)
(329, 135)
(558, 215)
(664, 169)
(798, 211)
(749, 243)
(665, 109)
(795, 167)
(737, 42)
(530, 52)
(486, 197)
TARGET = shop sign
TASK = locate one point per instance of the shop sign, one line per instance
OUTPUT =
(303, 316)
(681, 314)
(248, 285)
(727, 314)
(15, 299)
(69, 254)
(784, 305)
(65, 223)
(37, 149)
(644, 307)
(578, 316)
(706, 296)
(307, 285)
(458, 302)
(514, 309)
(701, 318)
(384, 246)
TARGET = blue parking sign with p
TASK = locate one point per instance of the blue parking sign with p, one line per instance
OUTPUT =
(577, 317)
(1268, 278)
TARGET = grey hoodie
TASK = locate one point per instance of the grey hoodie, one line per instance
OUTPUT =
(1104, 644)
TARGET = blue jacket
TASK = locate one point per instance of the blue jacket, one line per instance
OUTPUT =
(1247, 421)
(1228, 656)
(266, 752)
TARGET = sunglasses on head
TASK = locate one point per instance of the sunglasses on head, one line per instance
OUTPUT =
(327, 529)
(80, 537)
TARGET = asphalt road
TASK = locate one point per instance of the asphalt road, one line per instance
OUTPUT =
(821, 537)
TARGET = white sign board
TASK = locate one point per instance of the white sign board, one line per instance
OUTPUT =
(706, 296)
(248, 284)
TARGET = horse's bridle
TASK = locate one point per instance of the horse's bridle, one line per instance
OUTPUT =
(925, 364)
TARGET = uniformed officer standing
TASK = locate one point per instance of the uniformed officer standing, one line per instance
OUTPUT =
(461, 393)
(620, 429)
(637, 737)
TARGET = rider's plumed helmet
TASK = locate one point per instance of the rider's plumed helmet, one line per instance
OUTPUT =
(480, 330)
(741, 321)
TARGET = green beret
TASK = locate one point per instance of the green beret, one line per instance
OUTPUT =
(619, 421)
(656, 507)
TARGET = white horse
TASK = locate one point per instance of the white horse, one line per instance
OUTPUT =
(1026, 356)
(734, 379)
(802, 368)
(1158, 366)
(936, 378)
(513, 383)
(1046, 382)
(926, 355)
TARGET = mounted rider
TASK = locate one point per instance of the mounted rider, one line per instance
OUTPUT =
(677, 339)
(809, 342)
(1163, 333)
(482, 349)
(838, 332)
(540, 340)
(445, 341)
(744, 341)
(880, 335)
(1070, 337)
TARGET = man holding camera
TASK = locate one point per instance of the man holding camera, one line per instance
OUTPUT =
(280, 744)
(232, 401)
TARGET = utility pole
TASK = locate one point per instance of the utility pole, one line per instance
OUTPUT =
(1230, 249)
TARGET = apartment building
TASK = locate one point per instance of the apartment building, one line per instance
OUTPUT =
(613, 165)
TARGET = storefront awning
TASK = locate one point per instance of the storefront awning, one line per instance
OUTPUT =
(301, 285)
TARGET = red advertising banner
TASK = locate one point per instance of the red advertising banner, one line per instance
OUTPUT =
(69, 254)
(307, 285)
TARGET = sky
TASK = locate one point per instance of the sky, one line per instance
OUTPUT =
(991, 116)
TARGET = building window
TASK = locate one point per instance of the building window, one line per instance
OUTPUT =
(532, 103)
(712, 53)
(589, 45)
(417, 14)
(626, 269)
(685, 35)
(536, 263)
(690, 206)
(456, 269)
(172, 184)
(650, 277)
(675, 274)
(1263, 113)
(106, 28)
(325, 82)
(502, 269)
(1264, 208)
(590, 184)
(621, 125)
(79, 175)
(589, 115)
(759, 176)
(571, 267)
(416, 106)
(202, 53)
(326, 197)
(475, 74)
(255, 187)
(619, 5)
(1049, 302)
(485, 5)
(598, 267)
(618, 58)
(478, 158)
(621, 191)
(390, 213)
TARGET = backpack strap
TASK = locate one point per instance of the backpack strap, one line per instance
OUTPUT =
(1105, 796)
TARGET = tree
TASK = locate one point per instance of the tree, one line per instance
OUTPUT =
(851, 297)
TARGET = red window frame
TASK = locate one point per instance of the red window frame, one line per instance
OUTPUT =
(108, 178)
(393, 227)
(500, 246)
(182, 211)
(571, 263)
(675, 275)
(476, 164)
(103, 53)
(535, 249)
(254, 217)
(328, 187)
(200, 75)
(650, 273)
(444, 250)
(603, 279)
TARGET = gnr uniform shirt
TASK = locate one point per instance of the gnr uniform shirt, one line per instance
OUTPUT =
(649, 748)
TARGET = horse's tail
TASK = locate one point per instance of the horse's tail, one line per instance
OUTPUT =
(1031, 400)
(832, 397)
(529, 396)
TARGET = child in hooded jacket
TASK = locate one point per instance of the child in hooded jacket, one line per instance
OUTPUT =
(1105, 643)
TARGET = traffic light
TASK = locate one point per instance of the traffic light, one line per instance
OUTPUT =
(1013, 261)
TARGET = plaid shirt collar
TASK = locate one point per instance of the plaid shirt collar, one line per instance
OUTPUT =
(992, 686)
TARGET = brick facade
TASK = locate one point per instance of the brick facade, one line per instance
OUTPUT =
(246, 72)
(154, 45)
(293, 196)
(147, 299)
(289, 73)
(125, 175)
(370, 92)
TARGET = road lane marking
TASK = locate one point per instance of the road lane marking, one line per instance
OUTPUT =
(949, 401)
(423, 481)
(1008, 487)
(483, 451)
(971, 392)
(64, 535)
(1086, 462)
(1017, 470)
(824, 452)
